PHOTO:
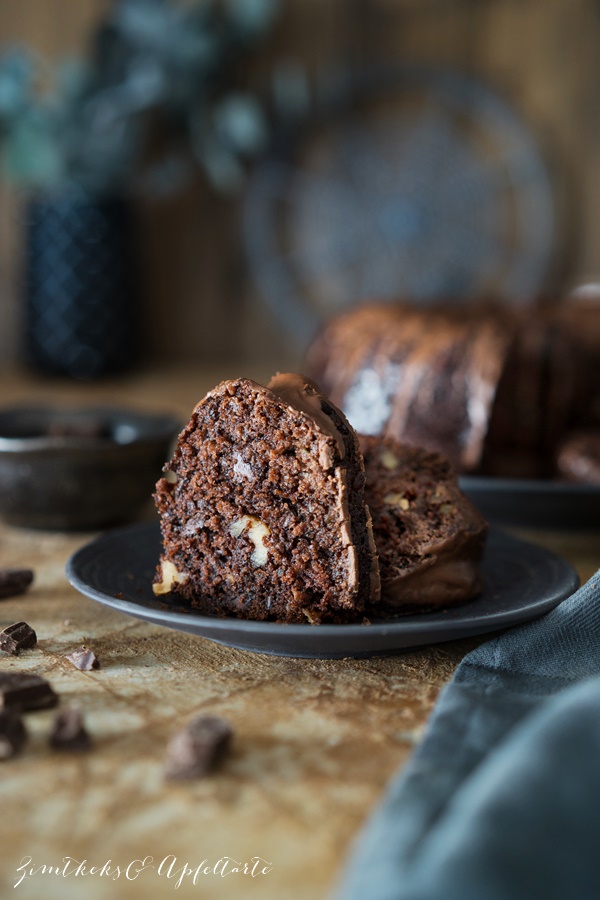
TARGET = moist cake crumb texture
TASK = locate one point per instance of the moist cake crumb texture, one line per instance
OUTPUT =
(262, 508)
(429, 536)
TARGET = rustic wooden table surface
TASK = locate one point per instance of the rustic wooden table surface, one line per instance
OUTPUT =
(315, 741)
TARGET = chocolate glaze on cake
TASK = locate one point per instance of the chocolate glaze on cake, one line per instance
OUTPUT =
(262, 507)
(429, 536)
(428, 378)
(539, 396)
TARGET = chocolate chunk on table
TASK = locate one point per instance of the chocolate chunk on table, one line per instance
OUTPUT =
(12, 734)
(25, 692)
(69, 732)
(17, 637)
(196, 750)
(14, 582)
(84, 659)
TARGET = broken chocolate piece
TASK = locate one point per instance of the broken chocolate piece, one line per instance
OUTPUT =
(12, 733)
(84, 659)
(69, 732)
(14, 582)
(17, 637)
(25, 692)
(195, 750)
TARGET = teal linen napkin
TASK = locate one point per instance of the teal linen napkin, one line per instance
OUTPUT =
(501, 800)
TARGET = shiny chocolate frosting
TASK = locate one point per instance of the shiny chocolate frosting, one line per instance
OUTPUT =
(303, 394)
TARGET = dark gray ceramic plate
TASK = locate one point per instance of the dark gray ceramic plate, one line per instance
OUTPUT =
(531, 503)
(521, 581)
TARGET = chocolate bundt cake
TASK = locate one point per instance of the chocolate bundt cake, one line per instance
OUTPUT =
(429, 536)
(540, 395)
(493, 390)
(262, 508)
(428, 377)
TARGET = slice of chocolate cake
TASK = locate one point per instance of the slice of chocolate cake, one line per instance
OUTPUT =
(262, 507)
(429, 536)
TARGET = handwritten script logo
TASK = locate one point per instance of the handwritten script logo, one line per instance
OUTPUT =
(169, 868)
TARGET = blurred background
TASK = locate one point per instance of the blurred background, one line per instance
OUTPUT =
(258, 165)
(188, 190)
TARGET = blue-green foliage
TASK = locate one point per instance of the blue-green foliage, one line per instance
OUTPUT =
(159, 92)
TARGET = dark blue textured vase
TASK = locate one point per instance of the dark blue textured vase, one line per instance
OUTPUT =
(79, 285)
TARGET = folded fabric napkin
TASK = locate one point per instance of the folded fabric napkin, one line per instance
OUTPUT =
(501, 800)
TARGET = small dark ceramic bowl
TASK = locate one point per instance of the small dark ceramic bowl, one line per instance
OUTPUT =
(73, 470)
